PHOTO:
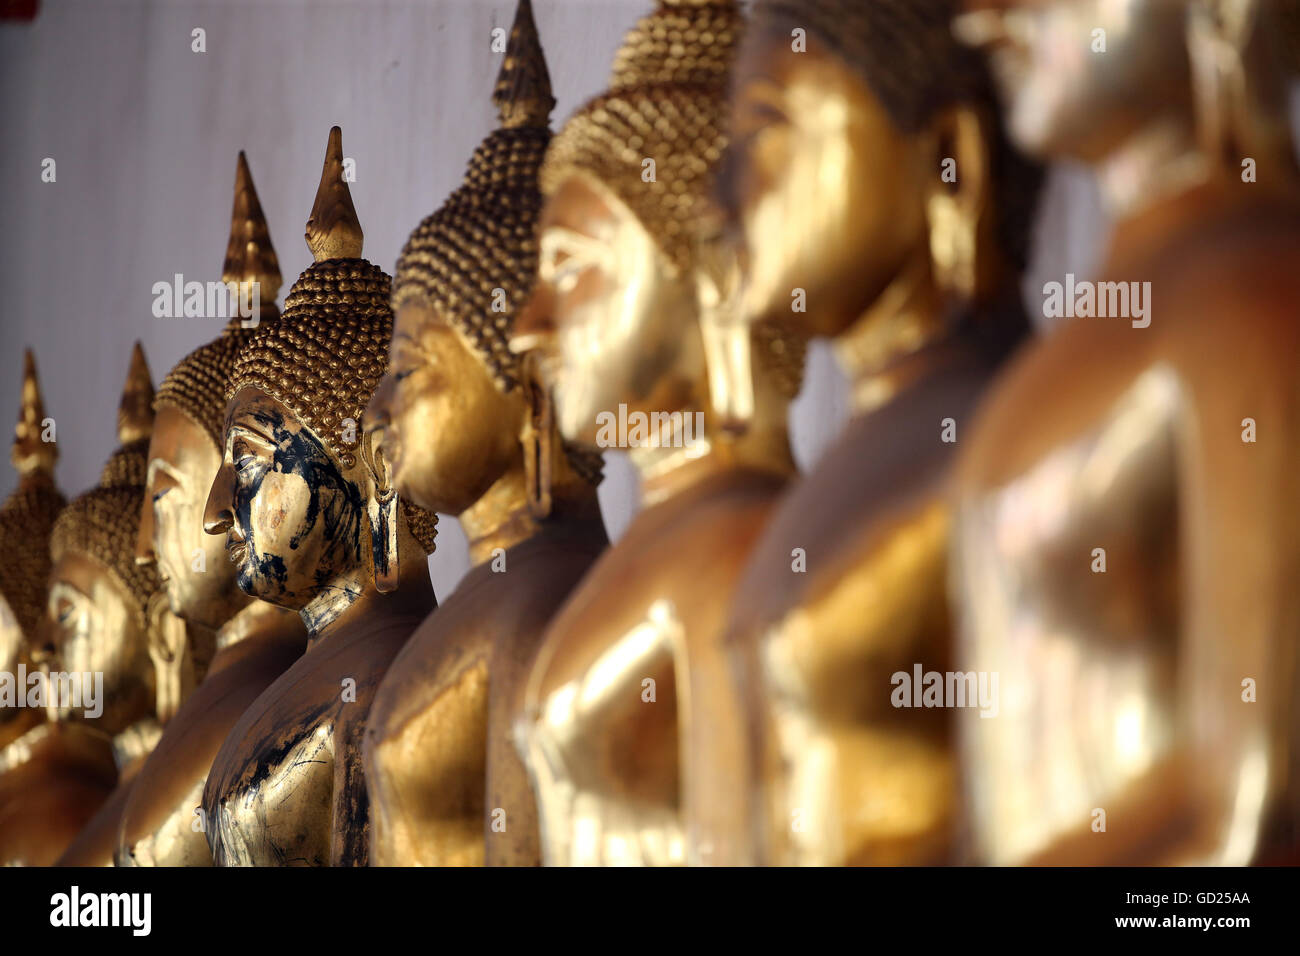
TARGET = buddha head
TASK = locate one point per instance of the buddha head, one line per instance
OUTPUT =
(186, 447)
(26, 520)
(865, 153)
(297, 484)
(1079, 79)
(99, 614)
(450, 414)
(627, 222)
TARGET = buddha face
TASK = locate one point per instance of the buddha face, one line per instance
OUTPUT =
(196, 576)
(291, 515)
(12, 640)
(1066, 96)
(440, 422)
(823, 191)
(624, 319)
(95, 627)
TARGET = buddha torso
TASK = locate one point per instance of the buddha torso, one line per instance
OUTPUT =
(287, 787)
(446, 785)
(831, 772)
(159, 821)
(1118, 682)
(604, 706)
(52, 780)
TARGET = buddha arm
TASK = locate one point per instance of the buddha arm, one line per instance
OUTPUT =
(349, 817)
(1238, 675)
(604, 749)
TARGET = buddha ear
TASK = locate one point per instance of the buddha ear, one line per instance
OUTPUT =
(957, 198)
(538, 438)
(169, 650)
(381, 510)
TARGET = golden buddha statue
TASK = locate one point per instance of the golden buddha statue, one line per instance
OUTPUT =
(1126, 537)
(106, 616)
(26, 520)
(311, 524)
(467, 431)
(254, 642)
(876, 205)
(41, 807)
(631, 291)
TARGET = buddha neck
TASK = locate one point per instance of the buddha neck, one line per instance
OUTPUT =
(499, 519)
(1158, 161)
(324, 610)
(879, 353)
(352, 596)
(132, 745)
(257, 617)
(687, 454)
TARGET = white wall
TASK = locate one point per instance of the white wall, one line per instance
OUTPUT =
(145, 133)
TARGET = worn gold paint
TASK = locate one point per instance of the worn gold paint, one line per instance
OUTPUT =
(291, 501)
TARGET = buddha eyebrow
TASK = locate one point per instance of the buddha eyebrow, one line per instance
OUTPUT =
(161, 464)
(251, 430)
(576, 244)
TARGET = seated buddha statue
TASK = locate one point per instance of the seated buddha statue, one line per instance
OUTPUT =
(468, 431)
(1126, 536)
(249, 642)
(26, 519)
(106, 616)
(311, 524)
(40, 809)
(628, 274)
(877, 206)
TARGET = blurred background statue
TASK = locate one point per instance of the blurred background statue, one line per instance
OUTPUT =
(628, 271)
(253, 641)
(107, 616)
(1128, 537)
(467, 430)
(876, 205)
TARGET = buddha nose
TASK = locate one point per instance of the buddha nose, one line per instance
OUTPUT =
(217, 514)
(535, 326)
(43, 647)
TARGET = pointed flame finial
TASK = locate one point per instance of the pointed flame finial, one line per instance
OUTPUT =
(333, 231)
(250, 257)
(31, 453)
(523, 91)
(135, 413)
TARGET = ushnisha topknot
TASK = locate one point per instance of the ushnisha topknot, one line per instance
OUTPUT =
(905, 51)
(27, 516)
(103, 523)
(483, 238)
(197, 384)
(666, 102)
(327, 353)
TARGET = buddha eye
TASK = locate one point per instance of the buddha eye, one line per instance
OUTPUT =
(565, 276)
